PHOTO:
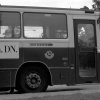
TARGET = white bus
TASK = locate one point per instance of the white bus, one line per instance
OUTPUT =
(48, 46)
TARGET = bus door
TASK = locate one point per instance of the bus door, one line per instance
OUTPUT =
(86, 50)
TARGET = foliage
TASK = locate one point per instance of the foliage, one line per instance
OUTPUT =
(96, 5)
(85, 8)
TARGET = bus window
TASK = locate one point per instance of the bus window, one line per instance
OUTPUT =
(6, 31)
(86, 35)
(9, 25)
(33, 31)
(16, 31)
(47, 26)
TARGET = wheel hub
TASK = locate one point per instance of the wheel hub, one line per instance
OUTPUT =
(33, 80)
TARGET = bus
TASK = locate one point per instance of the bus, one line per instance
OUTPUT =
(41, 47)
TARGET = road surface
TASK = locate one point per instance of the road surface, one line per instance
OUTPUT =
(59, 92)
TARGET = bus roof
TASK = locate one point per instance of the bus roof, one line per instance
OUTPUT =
(31, 8)
(36, 7)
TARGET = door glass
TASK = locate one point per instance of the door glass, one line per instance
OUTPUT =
(87, 64)
(86, 45)
(86, 35)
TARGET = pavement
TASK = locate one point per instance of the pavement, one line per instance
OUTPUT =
(54, 91)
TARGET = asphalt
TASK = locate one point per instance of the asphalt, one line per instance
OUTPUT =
(54, 91)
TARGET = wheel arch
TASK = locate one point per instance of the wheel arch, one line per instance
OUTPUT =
(38, 64)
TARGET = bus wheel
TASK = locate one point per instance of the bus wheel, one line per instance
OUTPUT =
(32, 80)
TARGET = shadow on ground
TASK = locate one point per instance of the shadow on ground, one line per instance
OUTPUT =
(69, 89)
(52, 90)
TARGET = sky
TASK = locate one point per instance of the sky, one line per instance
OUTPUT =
(49, 3)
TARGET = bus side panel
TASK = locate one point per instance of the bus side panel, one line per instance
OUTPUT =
(11, 63)
(59, 56)
(8, 69)
(98, 51)
(56, 60)
(72, 66)
(59, 76)
(98, 66)
(65, 75)
(4, 78)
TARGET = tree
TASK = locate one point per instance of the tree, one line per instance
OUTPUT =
(85, 8)
(96, 5)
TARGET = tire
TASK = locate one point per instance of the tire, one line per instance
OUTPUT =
(32, 80)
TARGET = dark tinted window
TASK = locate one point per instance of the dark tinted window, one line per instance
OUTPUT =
(47, 26)
(9, 25)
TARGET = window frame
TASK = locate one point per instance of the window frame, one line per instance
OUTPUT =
(19, 23)
(45, 13)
